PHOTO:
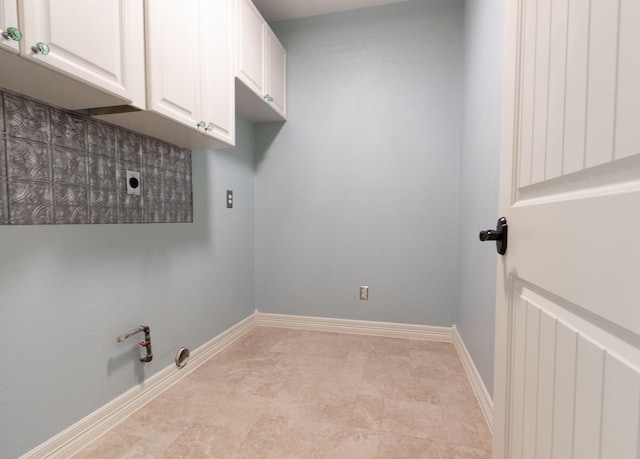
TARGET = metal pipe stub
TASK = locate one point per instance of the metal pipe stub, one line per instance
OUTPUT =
(146, 343)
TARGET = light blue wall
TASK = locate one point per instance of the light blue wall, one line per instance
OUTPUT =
(360, 186)
(475, 315)
(67, 292)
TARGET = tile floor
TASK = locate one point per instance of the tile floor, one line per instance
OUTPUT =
(282, 393)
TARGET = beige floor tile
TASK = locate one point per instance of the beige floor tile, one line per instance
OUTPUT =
(306, 411)
(356, 360)
(263, 440)
(485, 436)
(203, 441)
(397, 386)
(337, 388)
(462, 432)
(303, 342)
(338, 414)
(367, 413)
(376, 346)
(440, 365)
(279, 393)
(395, 364)
(123, 445)
(314, 362)
(328, 441)
(278, 437)
(420, 419)
(394, 446)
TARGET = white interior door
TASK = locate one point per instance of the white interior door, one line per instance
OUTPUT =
(568, 314)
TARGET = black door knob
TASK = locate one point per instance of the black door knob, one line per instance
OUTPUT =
(490, 235)
(499, 235)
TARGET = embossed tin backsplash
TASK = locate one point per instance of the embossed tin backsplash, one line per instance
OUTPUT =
(58, 167)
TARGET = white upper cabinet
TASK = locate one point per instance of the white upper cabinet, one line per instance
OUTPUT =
(164, 68)
(189, 75)
(10, 34)
(261, 67)
(98, 42)
(190, 71)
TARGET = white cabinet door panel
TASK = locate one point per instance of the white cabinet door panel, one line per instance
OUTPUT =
(173, 47)
(218, 104)
(251, 58)
(277, 71)
(99, 42)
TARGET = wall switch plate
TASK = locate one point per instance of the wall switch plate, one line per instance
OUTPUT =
(229, 199)
(133, 182)
(364, 292)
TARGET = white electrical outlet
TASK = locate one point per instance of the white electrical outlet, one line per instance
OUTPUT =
(364, 292)
(133, 182)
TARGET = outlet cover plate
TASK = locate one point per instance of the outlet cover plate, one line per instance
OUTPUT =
(364, 292)
(133, 182)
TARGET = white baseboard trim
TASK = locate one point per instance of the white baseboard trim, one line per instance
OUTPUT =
(357, 327)
(484, 399)
(85, 431)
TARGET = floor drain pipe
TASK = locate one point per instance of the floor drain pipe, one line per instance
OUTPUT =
(146, 343)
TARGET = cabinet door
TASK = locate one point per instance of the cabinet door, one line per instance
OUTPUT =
(99, 42)
(173, 53)
(276, 74)
(217, 101)
(8, 18)
(251, 57)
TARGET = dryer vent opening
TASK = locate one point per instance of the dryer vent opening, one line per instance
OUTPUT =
(182, 357)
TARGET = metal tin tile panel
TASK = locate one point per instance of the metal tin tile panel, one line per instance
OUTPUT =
(59, 167)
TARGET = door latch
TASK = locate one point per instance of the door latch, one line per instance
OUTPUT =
(499, 235)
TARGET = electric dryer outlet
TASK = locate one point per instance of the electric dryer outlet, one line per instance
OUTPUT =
(133, 182)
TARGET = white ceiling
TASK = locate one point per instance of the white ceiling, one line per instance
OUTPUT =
(279, 10)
